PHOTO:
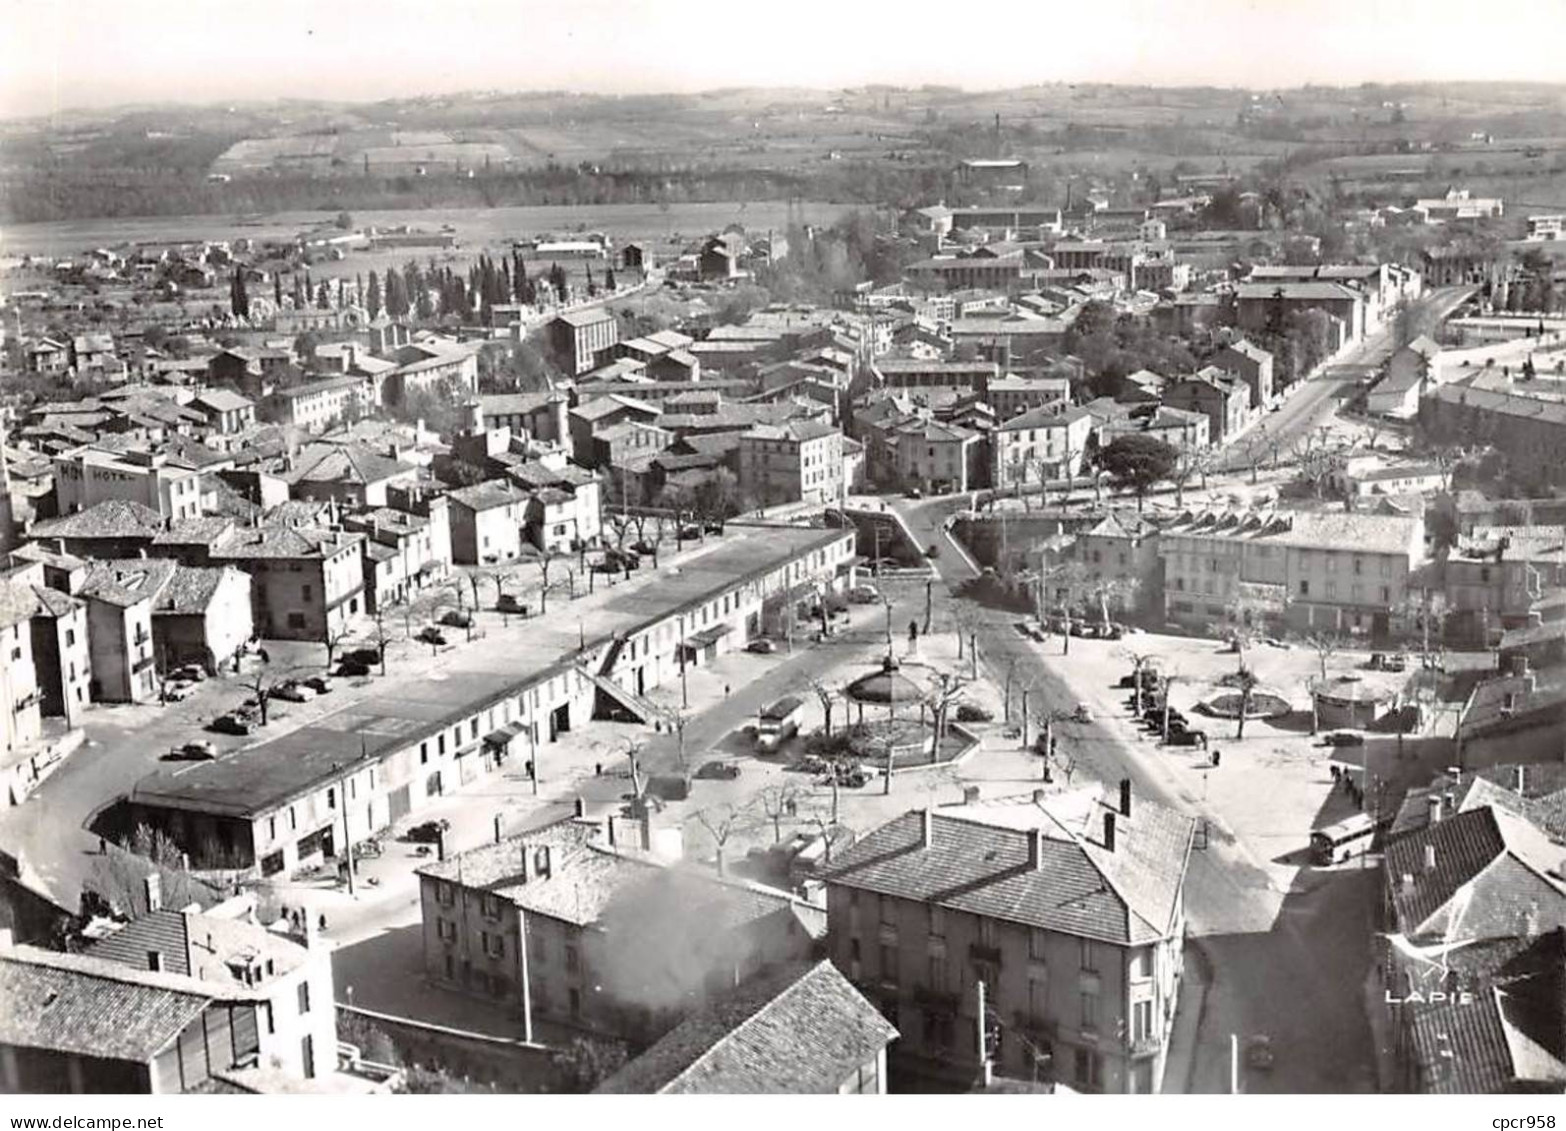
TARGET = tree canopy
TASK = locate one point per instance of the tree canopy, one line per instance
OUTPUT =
(1137, 461)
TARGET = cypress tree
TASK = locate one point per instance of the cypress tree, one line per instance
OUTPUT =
(372, 296)
(277, 288)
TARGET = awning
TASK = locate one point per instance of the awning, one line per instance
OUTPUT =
(707, 636)
(505, 734)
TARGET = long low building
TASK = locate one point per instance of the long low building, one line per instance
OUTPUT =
(346, 775)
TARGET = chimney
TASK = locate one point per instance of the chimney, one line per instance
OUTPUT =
(1449, 802)
(440, 845)
(581, 808)
(970, 795)
(1125, 798)
(1520, 781)
(1038, 796)
(1430, 858)
(1035, 849)
(497, 828)
(927, 828)
(155, 961)
(541, 863)
(609, 829)
(152, 888)
(1109, 831)
(646, 832)
(1435, 809)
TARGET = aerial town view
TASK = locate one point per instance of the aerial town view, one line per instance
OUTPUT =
(814, 576)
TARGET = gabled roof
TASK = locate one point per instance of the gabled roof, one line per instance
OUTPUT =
(128, 581)
(799, 1030)
(1043, 416)
(488, 495)
(345, 463)
(112, 518)
(191, 589)
(978, 862)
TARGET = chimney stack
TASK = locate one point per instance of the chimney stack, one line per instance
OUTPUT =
(1449, 803)
(497, 828)
(440, 845)
(1038, 796)
(1109, 831)
(527, 864)
(970, 795)
(1435, 809)
(541, 863)
(581, 808)
(155, 961)
(1035, 849)
(1521, 780)
(927, 828)
(152, 887)
(1430, 858)
(1125, 798)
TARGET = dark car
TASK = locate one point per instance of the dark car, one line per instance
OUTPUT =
(1188, 738)
(973, 713)
(457, 618)
(428, 832)
(644, 547)
(320, 684)
(351, 668)
(689, 532)
(1344, 738)
(189, 673)
(231, 724)
(363, 655)
(725, 771)
(199, 750)
(431, 635)
(511, 603)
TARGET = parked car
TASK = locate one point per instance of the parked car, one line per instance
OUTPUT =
(713, 527)
(1184, 737)
(511, 603)
(689, 532)
(176, 692)
(719, 771)
(198, 750)
(1083, 713)
(428, 832)
(644, 547)
(762, 645)
(864, 595)
(457, 618)
(231, 724)
(1344, 738)
(293, 692)
(1383, 662)
(350, 669)
(932, 551)
(320, 684)
(913, 493)
(188, 673)
(431, 635)
(973, 713)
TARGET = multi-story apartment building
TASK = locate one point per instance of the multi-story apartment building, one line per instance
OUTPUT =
(87, 476)
(1052, 439)
(226, 410)
(487, 522)
(306, 582)
(120, 597)
(579, 338)
(1253, 365)
(565, 925)
(202, 616)
(1494, 577)
(61, 655)
(21, 715)
(401, 551)
(1069, 909)
(431, 367)
(1011, 394)
(912, 373)
(1121, 550)
(793, 461)
(936, 457)
(1341, 573)
(317, 405)
(1222, 397)
(1529, 431)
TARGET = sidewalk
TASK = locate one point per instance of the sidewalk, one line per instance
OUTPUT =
(1190, 1013)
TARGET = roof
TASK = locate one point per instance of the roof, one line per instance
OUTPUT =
(589, 317)
(17, 604)
(1460, 1047)
(191, 589)
(345, 463)
(1251, 292)
(1044, 416)
(210, 948)
(800, 1030)
(279, 541)
(488, 495)
(127, 582)
(89, 1007)
(978, 862)
(223, 400)
(112, 518)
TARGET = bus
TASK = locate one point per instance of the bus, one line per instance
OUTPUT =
(1335, 843)
(778, 723)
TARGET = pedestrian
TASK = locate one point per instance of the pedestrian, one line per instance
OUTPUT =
(1217, 757)
(265, 658)
(725, 691)
(323, 924)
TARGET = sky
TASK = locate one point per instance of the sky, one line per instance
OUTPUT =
(60, 54)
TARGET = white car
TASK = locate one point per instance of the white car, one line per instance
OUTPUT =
(294, 692)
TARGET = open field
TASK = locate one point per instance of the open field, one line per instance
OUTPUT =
(475, 227)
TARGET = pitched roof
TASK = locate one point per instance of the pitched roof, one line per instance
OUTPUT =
(488, 495)
(1043, 416)
(223, 400)
(978, 862)
(191, 589)
(89, 1007)
(800, 1030)
(17, 603)
(281, 541)
(112, 518)
(128, 581)
(345, 463)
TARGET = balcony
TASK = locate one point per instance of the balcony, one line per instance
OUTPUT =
(1148, 1045)
(928, 998)
(991, 955)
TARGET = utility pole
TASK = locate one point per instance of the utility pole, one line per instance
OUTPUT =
(342, 790)
(1234, 1064)
(985, 1068)
(527, 990)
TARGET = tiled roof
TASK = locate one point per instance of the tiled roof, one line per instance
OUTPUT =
(1043, 416)
(1460, 1048)
(17, 604)
(127, 582)
(89, 1008)
(278, 541)
(978, 863)
(801, 1030)
(112, 518)
(202, 530)
(207, 947)
(345, 463)
(191, 589)
(224, 400)
(488, 495)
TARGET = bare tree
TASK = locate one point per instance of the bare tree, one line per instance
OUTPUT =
(620, 525)
(381, 638)
(825, 694)
(263, 684)
(1171, 679)
(778, 802)
(1139, 661)
(1325, 645)
(333, 641)
(546, 559)
(947, 692)
(721, 823)
(1245, 682)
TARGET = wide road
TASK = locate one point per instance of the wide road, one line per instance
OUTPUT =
(1266, 952)
(1316, 399)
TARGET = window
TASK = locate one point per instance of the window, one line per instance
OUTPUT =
(1090, 1069)
(70, 637)
(424, 753)
(1139, 965)
(936, 976)
(307, 1056)
(1038, 1001)
(937, 921)
(1089, 1010)
(1304, 589)
(1386, 595)
(1359, 566)
(446, 930)
(331, 798)
(1038, 943)
(986, 931)
(853, 949)
(1332, 589)
(304, 591)
(573, 961)
(494, 945)
(304, 998)
(889, 965)
(1089, 958)
(1142, 1020)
